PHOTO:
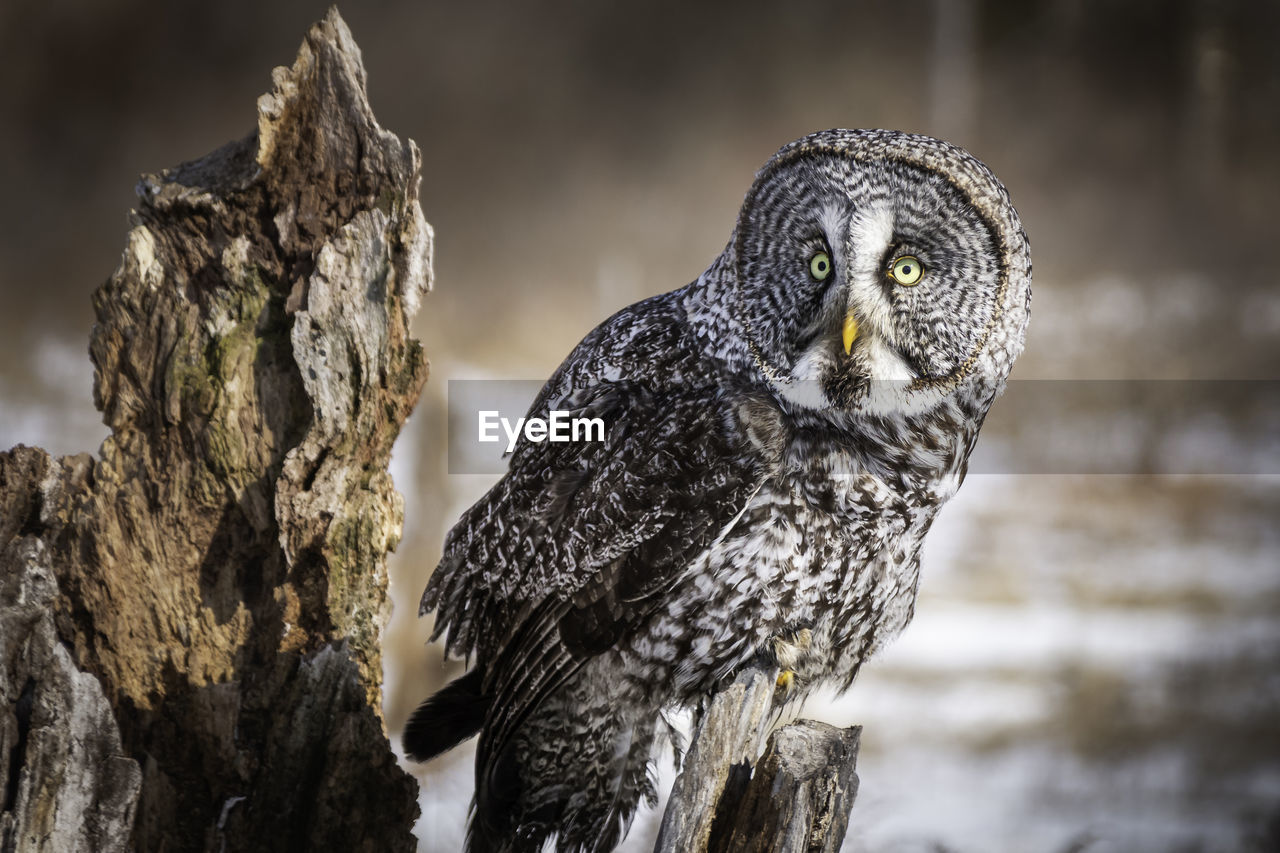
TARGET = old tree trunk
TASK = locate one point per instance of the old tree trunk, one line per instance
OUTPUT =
(189, 621)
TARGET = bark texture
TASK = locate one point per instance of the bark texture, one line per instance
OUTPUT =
(793, 798)
(189, 622)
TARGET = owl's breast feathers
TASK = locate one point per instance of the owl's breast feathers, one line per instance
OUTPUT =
(826, 548)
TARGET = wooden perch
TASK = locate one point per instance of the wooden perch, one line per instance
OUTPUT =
(189, 621)
(796, 797)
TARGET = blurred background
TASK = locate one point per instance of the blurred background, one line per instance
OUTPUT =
(1095, 659)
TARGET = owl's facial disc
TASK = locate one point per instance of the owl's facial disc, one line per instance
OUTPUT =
(913, 274)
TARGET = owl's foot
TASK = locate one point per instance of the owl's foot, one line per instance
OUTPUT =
(788, 650)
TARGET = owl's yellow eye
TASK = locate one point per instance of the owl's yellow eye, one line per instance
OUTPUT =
(906, 270)
(820, 266)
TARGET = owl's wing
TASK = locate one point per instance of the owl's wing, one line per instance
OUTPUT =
(594, 524)
(574, 548)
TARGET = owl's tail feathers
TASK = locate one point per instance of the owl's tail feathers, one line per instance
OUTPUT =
(446, 719)
(578, 770)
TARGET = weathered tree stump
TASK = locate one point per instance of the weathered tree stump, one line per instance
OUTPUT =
(729, 798)
(189, 621)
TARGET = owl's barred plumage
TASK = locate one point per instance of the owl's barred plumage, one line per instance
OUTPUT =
(762, 492)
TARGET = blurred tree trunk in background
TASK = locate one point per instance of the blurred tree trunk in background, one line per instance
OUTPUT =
(954, 77)
(189, 622)
(1206, 109)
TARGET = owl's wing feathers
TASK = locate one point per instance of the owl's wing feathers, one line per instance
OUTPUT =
(674, 446)
(637, 517)
(592, 530)
(568, 553)
(562, 513)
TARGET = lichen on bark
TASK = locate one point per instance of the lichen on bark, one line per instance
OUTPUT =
(218, 571)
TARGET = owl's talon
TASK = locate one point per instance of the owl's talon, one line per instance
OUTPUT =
(788, 650)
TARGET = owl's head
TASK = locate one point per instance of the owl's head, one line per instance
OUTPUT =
(877, 270)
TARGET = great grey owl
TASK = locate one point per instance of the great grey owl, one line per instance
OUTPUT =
(780, 435)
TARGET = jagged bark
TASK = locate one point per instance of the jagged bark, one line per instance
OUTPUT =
(189, 622)
(795, 797)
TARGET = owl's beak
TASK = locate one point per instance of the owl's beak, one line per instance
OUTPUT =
(850, 332)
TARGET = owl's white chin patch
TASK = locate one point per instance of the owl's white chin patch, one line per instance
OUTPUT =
(889, 392)
(806, 395)
(890, 375)
(804, 386)
(884, 363)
